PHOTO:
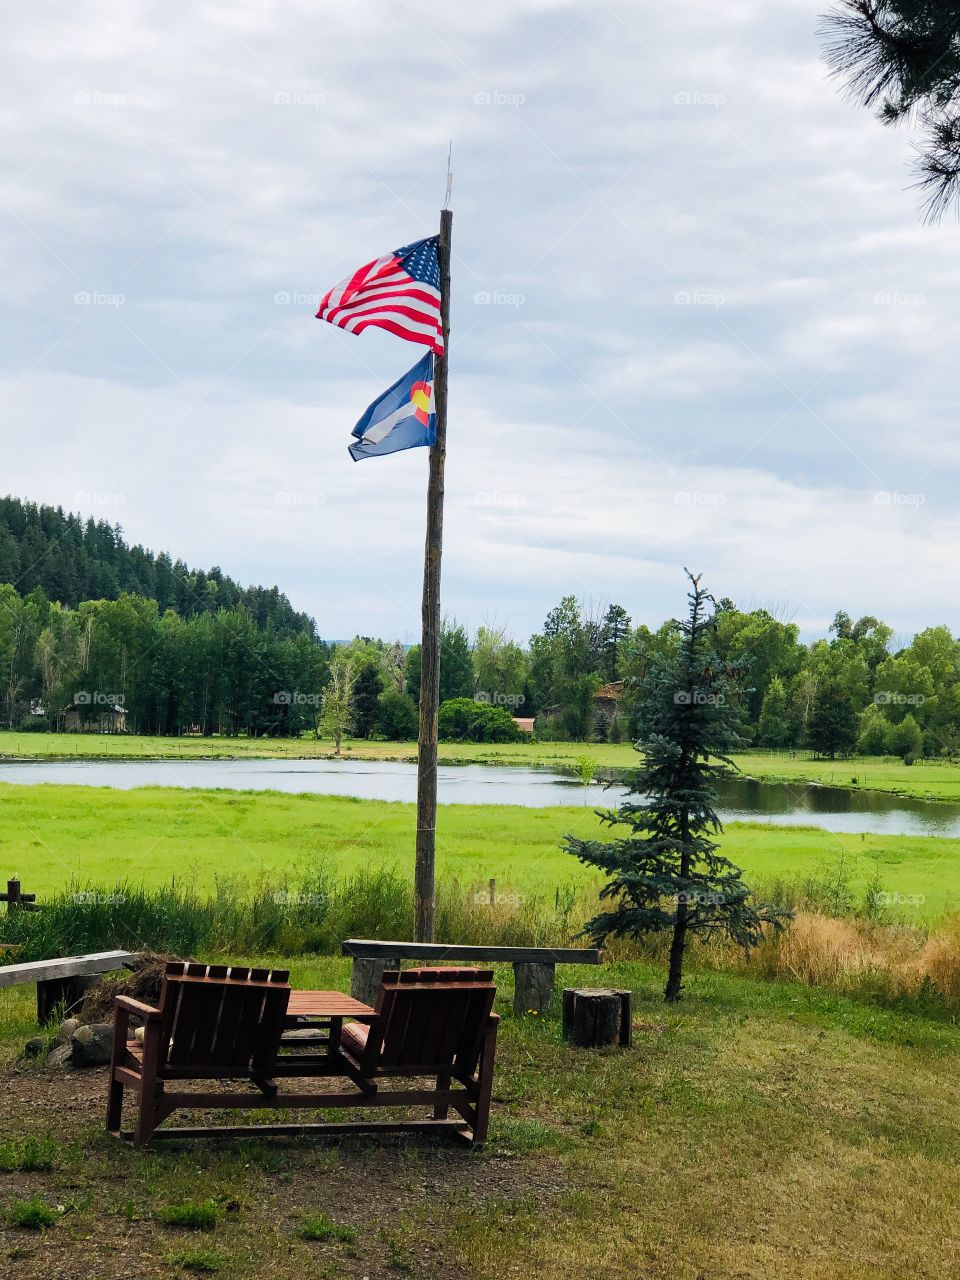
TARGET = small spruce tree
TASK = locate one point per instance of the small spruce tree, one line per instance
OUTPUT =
(666, 875)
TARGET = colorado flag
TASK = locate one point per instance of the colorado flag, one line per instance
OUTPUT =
(402, 418)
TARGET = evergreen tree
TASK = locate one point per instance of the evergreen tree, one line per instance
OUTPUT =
(901, 58)
(367, 687)
(833, 721)
(667, 874)
(773, 727)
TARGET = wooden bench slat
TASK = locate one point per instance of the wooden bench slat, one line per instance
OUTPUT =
(371, 948)
(63, 967)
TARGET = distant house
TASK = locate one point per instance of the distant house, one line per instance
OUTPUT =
(524, 723)
(607, 698)
(90, 717)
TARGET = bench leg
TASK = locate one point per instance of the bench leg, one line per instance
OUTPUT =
(485, 1084)
(442, 1109)
(366, 976)
(114, 1106)
(533, 987)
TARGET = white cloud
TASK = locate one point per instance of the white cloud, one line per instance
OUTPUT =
(198, 161)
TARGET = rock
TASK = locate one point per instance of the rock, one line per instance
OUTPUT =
(35, 1047)
(92, 1045)
(61, 1057)
(67, 1029)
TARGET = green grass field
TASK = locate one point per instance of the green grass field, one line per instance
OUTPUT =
(758, 1129)
(927, 780)
(52, 835)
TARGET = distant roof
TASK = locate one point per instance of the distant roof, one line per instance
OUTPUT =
(613, 691)
(524, 722)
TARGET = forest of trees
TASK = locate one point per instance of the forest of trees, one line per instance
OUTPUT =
(96, 634)
(72, 560)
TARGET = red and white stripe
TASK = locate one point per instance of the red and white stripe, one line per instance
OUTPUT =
(383, 295)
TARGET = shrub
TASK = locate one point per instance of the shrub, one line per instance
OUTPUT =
(465, 720)
(397, 718)
(28, 1155)
(323, 1228)
(31, 1215)
(191, 1215)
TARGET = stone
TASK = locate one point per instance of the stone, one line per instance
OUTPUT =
(92, 1045)
(61, 1057)
(67, 1029)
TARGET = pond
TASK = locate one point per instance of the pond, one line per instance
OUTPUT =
(832, 808)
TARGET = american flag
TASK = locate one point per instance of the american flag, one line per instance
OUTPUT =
(400, 292)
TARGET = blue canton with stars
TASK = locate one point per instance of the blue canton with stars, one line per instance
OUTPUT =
(421, 260)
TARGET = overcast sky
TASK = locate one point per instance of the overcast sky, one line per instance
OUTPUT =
(696, 318)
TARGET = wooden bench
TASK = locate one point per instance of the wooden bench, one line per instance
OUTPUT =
(534, 968)
(226, 1024)
(63, 980)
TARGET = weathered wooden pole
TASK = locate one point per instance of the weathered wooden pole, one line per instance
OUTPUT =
(430, 640)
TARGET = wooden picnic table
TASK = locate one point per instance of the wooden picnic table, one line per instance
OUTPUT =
(314, 1020)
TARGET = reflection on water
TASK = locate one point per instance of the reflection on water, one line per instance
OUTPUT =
(832, 808)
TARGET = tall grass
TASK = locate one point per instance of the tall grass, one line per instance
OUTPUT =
(312, 913)
(838, 939)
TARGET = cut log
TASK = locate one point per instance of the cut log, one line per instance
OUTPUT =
(593, 1017)
(533, 987)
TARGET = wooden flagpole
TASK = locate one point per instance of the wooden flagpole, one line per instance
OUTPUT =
(430, 640)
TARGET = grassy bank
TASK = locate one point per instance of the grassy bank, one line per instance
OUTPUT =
(53, 835)
(755, 1130)
(925, 779)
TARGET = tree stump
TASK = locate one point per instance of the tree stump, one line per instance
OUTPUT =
(366, 976)
(533, 984)
(594, 1017)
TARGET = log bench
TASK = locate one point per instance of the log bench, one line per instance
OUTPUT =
(64, 979)
(534, 968)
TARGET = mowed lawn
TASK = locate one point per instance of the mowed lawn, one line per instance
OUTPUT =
(925, 779)
(756, 1130)
(53, 835)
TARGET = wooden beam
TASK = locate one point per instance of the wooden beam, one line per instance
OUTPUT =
(64, 967)
(426, 845)
(370, 948)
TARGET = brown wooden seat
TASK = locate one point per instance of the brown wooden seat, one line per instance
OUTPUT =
(212, 1022)
(431, 1022)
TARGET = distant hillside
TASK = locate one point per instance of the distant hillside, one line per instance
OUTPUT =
(73, 559)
